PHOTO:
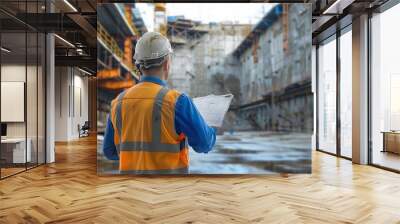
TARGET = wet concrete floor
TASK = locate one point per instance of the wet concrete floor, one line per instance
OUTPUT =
(244, 153)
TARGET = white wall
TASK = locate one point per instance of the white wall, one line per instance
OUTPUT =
(71, 94)
(61, 103)
(80, 100)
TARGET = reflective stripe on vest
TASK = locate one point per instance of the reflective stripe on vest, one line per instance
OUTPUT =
(149, 147)
(118, 119)
(156, 135)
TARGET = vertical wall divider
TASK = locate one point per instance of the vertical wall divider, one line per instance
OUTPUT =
(317, 97)
(37, 89)
(60, 86)
(73, 91)
(80, 103)
(369, 96)
(69, 100)
(338, 93)
(1, 163)
(26, 86)
(45, 93)
(45, 86)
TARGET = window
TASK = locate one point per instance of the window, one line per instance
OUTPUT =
(22, 76)
(346, 94)
(385, 89)
(327, 96)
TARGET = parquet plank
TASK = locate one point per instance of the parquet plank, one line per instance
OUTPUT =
(69, 191)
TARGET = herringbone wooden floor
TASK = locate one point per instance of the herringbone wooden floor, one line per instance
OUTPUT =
(69, 191)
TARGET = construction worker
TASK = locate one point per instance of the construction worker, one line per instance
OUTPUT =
(150, 126)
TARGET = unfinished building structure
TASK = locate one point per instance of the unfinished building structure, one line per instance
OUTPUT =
(198, 46)
(268, 71)
(275, 73)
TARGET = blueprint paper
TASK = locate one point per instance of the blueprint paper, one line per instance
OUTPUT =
(213, 108)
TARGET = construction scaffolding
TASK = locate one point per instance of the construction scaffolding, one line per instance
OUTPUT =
(118, 28)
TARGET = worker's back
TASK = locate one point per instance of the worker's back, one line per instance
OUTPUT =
(145, 136)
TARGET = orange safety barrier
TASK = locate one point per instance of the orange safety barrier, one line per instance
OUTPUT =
(108, 73)
(117, 85)
(128, 51)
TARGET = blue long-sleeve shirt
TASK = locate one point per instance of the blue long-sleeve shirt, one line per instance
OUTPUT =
(188, 120)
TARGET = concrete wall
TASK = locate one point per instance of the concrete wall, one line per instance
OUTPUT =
(191, 61)
(274, 69)
(182, 69)
(221, 40)
(270, 70)
(71, 102)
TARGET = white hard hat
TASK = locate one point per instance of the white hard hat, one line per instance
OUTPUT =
(151, 46)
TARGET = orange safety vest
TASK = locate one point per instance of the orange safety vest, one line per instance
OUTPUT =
(143, 118)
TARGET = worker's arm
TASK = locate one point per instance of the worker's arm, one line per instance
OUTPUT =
(188, 120)
(109, 149)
